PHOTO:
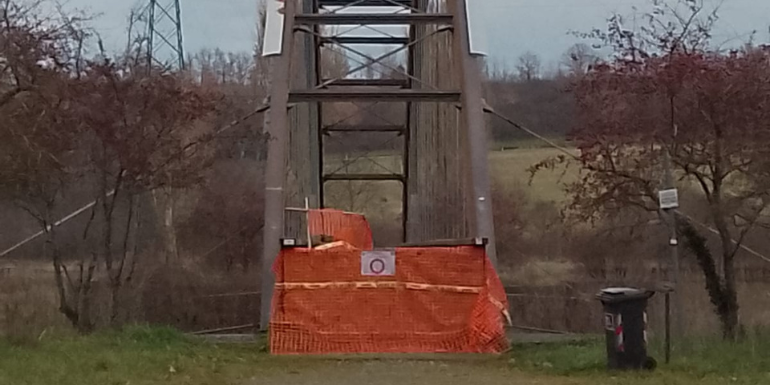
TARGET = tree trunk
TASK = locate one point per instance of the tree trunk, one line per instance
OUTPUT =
(164, 206)
(65, 307)
(85, 299)
(722, 292)
(730, 317)
(730, 323)
(74, 297)
(115, 303)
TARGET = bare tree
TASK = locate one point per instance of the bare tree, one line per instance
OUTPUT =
(578, 59)
(497, 72)
(529, 66)
(40, 61)
(95, 123)
(667, 95)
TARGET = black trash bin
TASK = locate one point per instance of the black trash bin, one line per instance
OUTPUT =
(625, 324)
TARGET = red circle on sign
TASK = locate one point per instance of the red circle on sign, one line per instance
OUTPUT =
(380, 266)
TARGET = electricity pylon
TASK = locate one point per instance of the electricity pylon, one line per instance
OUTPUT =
(165, 45)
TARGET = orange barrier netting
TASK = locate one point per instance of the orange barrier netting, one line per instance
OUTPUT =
(351, 228)
(439, 300)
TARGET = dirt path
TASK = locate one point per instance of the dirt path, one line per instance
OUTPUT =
(394, 372)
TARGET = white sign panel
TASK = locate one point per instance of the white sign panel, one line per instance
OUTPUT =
(477, 24)
(609, 321)
(378, 263)
(273, 43)
(669, 199)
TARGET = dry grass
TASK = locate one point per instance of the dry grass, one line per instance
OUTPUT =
(28, 303)
(181, 297)
(509, 170)
(571, 306)
(542, 273)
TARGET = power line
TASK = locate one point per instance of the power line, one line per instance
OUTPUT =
(714, 231)
(551, 143)
(48, 228)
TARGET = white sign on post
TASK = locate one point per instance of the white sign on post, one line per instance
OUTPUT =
(273, 33)
(378, 263)
(668, 199)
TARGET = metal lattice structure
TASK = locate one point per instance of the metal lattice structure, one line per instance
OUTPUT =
(165, 43)
(430, 105)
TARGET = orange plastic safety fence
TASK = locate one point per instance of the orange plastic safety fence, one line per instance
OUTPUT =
(351, 228)
(439, 300)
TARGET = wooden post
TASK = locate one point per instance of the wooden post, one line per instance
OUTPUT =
(275, 171)
(668, 326)
(307, 222)
(474, 123)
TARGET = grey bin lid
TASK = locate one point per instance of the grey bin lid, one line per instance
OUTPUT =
(622, 294)
(621, 291)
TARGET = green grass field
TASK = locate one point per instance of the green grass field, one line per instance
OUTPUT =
(143, 356)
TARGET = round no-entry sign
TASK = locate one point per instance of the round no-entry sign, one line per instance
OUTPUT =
(378, 263)
(377, 266)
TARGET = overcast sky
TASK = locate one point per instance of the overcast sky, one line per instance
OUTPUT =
(512, 26)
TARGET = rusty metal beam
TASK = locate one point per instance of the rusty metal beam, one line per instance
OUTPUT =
(318, 68)
(416, 6)
(449, 243)
(374, 18)
(310, 44)
(368, 128)
(367, 3)
(364, 177)
(403, 83)
(379, 59)
(351, 95)
(365, 40)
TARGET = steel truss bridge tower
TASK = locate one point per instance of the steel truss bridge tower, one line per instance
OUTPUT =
(407, 67)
